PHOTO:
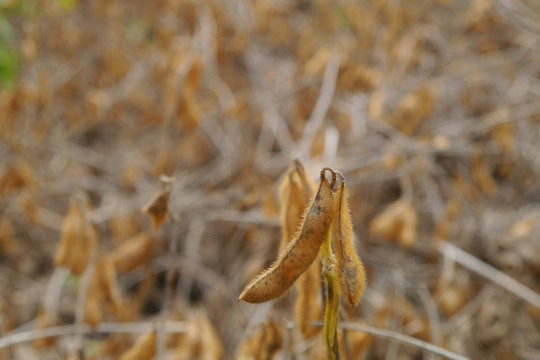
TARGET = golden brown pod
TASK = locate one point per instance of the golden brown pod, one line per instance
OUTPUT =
(299, 252)
(296, 190)
(309, 304)
(352, 276)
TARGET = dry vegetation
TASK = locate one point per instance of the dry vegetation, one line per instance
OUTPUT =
(194, 110)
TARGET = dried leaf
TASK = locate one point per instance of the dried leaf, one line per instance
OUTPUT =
(201, 340)
(165, 162)
(309, 304)
(29, 206)
(357, 77)
(78, 242)
(477, 11)
(44, 320)
(144, 348)
(190, 111)
(189, 346)
(158, 208)
(211, 344)
(482, 175)
(92, 307)
(269, 204)
(409, 220)
(7, 236)
(74, 355)
(114, 345)
(132, 253)
(318, 144)
(441, 142)
(450, 296)
(465, 186)
(522, 228)
(106, 273)
(359, 344)
(399, 221)
(194, 75)
(413, 110)
(131, 176)
(266, 342)
(505, 135)
(376, 104)
(103, 291)
(318, 61)
(123, 228)
(17, 177)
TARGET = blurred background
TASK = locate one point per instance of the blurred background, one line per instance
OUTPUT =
(431, 110)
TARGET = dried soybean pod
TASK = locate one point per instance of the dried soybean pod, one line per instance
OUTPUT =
(308, 184)
(79, 239)
(295, 192)
(299, 253)
(352, 276)
(297, 189)
(309, 304)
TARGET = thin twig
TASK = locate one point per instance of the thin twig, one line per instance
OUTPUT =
(244, 217)
(490, 273)
(205, 275)
(403, 339)
(103, 328)
(192, 247)
(273, 126)
(322, 105)
(286, 341)
(82, 296)
(167, 294)
(400, 338)
(331, 144)
(4, 353)
(21, 282)
(392, 350)
(432, 315)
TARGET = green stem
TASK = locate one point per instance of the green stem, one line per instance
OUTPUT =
(333, 294)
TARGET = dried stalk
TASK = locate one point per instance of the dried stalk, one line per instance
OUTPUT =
(168, 293)
(402, 339)
(490, 273)
(322, 105)
(103, 328)
(333, 295)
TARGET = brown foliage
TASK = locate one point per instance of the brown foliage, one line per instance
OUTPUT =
(433, 119)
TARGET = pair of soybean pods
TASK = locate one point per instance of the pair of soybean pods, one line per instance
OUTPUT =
(327, 218)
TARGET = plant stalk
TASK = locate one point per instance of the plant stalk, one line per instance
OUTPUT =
(332, 295)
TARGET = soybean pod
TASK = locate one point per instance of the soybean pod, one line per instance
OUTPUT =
(300, 252)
